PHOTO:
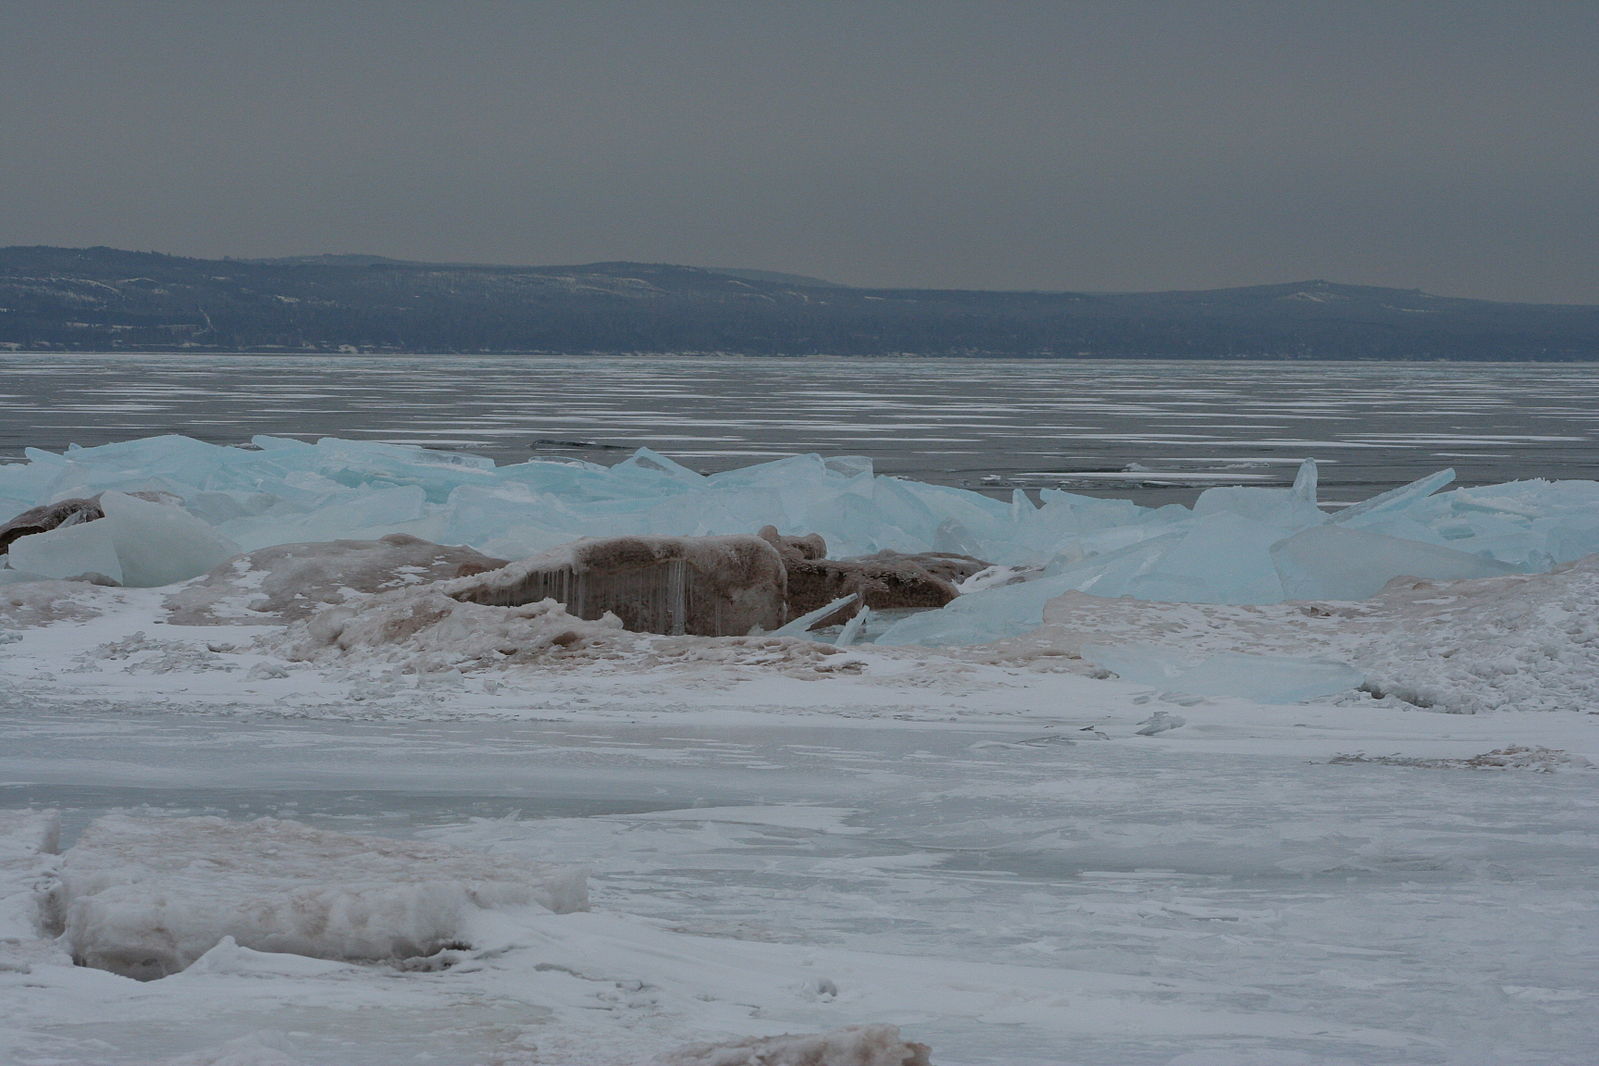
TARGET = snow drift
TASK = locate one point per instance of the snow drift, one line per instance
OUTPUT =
(1523, 641)
(146, 897)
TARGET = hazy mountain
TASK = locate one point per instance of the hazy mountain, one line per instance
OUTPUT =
(103, 299)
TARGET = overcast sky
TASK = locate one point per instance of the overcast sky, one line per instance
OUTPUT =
(1003, 144)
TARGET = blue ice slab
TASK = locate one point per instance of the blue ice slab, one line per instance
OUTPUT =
(1236, 545)
(1011, 610)
(1221, 557)
(1336, 563)
(1392, 503)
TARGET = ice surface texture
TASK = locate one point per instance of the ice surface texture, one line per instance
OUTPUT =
(1527, 642)
(146, 897)
(28, 841)
(1262, 678)
(1236, 545)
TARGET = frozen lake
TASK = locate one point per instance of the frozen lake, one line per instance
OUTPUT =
(985, 424)
(988, 849)
(1058, 898)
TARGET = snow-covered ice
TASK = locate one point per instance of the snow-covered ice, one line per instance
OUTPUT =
(146, 897)
(1126, 800)
(1264, 678)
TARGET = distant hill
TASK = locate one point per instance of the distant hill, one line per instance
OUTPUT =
(103, 299)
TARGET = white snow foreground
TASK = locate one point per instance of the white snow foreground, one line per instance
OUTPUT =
(867, 1045)
(146, 897)
(29, 841)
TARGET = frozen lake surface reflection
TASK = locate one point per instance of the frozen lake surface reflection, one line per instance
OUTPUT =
(985, 424)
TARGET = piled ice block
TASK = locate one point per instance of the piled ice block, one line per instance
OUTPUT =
(1236, 545)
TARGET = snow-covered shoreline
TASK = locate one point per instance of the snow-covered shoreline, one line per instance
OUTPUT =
(988, 845)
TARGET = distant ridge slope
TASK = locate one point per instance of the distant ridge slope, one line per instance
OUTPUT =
(104, 299)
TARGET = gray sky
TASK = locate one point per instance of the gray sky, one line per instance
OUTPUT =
(1003, 144)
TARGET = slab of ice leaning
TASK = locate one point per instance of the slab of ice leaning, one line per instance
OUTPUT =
(70, 551)
(1338, 563)
(145, 897)
(1236, 545)
(138, 543)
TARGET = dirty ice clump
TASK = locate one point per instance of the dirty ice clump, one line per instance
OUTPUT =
(865, 1045)
(425, 629)
(147, 897)
(203, 503)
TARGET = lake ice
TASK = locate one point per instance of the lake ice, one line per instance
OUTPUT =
(966, 826)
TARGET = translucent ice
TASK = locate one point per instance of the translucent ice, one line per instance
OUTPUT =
(1339, 563)
(801, 625)
(138, 543)
(1394, 502)
(70, 551)
(1220, 558)
(1011, 610)
(1235, 545)
(160, 543)
(852, 629)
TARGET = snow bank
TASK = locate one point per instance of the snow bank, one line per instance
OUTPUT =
(146, 897)
(40, 603)
(290, 581)
(28, 841)
(425, 629)
(866, 1045)
(1523, 641)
